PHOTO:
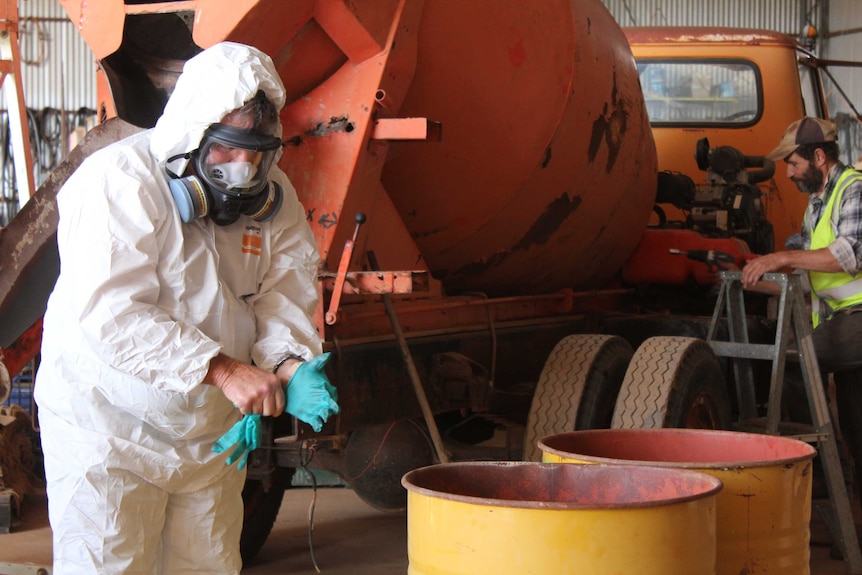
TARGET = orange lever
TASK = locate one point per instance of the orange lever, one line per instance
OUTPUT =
(332, 313)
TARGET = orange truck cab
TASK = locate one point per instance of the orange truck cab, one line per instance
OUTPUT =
(735, 87)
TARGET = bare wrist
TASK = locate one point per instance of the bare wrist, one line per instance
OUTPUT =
(287, 366)
(220, 369)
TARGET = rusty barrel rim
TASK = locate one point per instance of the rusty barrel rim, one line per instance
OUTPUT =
(465, 481)
(678, 448)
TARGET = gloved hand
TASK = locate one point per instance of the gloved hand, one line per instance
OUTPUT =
(245, 434)
(310, 396)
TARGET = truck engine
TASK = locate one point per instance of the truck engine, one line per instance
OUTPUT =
(728, 203)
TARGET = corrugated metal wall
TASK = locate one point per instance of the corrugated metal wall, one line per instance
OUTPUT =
(842, 40)
(59, 80)
(788, 16)
(57, 67)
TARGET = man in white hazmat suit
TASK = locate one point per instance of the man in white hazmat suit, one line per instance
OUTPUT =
(185, 299)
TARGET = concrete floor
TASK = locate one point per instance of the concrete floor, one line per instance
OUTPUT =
(349, 538)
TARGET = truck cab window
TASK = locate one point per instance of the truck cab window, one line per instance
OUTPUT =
(701, 92)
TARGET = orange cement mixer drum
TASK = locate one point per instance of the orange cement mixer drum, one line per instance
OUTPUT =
(546, 173)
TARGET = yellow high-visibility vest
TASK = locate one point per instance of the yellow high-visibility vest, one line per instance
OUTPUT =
(839, 289)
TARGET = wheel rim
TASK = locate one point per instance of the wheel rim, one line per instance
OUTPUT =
(703, 413)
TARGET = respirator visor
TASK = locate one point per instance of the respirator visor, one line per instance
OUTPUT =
(234, 161)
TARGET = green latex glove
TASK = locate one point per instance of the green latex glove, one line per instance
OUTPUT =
(310, 396)
(245, 435)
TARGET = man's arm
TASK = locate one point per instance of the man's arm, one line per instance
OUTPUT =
(820, 260)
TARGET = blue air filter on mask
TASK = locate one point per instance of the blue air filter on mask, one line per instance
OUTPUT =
(231, 168)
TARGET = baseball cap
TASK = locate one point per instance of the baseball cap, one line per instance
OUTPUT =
(805, 131)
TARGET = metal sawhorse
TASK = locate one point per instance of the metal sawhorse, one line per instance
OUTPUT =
(792, 315)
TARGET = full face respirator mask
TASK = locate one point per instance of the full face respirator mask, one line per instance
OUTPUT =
(231, 167)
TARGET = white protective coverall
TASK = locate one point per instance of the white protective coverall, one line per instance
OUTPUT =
(142, 304)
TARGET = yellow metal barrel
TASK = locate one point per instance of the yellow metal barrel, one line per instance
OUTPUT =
(764, 508)
(520, 518)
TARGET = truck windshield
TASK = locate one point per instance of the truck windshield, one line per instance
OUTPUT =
(701, 92)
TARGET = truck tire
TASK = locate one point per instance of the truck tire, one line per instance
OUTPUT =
(261, 508)
(577, 388)
(673, 382)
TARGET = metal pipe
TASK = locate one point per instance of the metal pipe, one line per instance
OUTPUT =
(454, 302)
(427, 415)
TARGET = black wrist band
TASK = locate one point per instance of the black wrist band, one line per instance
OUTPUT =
(289, 356)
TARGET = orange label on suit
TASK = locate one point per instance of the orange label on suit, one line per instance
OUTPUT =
(251, 241)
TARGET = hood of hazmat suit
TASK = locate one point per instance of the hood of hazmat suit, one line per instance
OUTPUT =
(187, 115)
(144, 300)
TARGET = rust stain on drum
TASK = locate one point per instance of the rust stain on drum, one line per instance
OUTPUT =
(548, 222)
(609, 128)
(542, 230)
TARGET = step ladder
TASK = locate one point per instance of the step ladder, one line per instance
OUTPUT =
(793, 318)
